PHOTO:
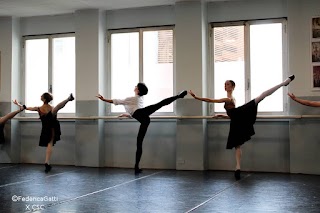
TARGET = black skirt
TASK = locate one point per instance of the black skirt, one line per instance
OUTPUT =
(50, 129)
(241, 125)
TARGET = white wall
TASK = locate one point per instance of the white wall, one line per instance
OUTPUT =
(299, 31)
(6, 25)
(47, 24)
(141, 17)
(222, 11)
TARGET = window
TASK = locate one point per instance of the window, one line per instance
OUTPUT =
(251, 54)
(50, 67)
(142, 55)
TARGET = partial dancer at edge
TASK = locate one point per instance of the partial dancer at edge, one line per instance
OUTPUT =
(7, 117)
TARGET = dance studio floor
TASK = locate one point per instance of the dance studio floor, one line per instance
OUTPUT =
(81, 189)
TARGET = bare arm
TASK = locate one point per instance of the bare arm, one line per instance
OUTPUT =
(22, 106)
(222, 100)
(304, 102)
(103, 99)
(32, 108)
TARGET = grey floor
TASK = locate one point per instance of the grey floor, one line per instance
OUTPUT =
(81, 189)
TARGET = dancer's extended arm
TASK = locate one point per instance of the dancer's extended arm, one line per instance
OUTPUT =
(103, 99)
(304, 102)
(222, 100)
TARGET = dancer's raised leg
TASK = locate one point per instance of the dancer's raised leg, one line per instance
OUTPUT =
(152, 108)
(62, 104)
(273, 89)
(10, 115)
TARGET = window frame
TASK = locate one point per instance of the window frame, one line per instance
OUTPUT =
(109, 73)
(50, 38)
(247, 72)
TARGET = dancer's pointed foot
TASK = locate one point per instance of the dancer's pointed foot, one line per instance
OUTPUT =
(182, 94)
(70, 98)
(23, 107)
(288, 80)
(237, 174)
(48, 168)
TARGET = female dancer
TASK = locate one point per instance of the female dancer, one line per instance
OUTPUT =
(50, 132)
(304, 102)
(4, 119)
(242, 118)
(134, 108)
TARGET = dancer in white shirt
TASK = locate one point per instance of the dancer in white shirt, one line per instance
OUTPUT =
(134, 106)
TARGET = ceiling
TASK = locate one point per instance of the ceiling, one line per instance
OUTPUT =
(27, 8)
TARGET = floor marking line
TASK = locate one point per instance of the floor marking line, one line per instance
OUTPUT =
(216, 195)
(7, 167)
(101, 190)
(25, 181)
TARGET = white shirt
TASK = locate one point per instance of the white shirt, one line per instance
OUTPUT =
(131, 104)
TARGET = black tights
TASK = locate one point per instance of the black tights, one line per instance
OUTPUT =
(142, 115)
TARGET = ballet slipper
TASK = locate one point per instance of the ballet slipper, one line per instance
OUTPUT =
(70, 98)
(292, 77)
(182, 94)
(237, 174)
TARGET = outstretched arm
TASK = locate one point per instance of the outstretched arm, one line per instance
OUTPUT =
(32, 108)
(304, 102)
(103, 99)
(23, 106)
(208, 99)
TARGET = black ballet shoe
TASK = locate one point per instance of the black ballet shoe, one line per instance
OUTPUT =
(237, 174)
(70, 98)
(292, 77)
(23, 107)
(182, 94)
(48, 168)
(137, 171)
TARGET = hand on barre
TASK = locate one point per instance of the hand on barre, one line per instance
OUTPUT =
(220, 116)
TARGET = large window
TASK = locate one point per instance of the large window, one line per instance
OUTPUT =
(50, 67)
(142, 55)
(251, 54)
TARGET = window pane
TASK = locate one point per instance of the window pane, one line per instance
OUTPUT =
(124, 66)
(36, 68)
(266, 64)
(63, 71)
(229, 63)
(158, 66)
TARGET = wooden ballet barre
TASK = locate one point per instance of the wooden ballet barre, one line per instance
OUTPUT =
(200, 117)
(310, 116)
(278, 116)
(170, 117)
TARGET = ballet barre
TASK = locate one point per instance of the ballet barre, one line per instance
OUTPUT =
(177, 117)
